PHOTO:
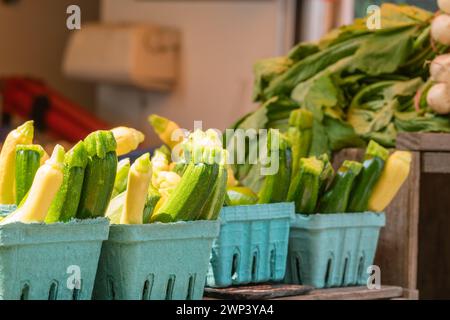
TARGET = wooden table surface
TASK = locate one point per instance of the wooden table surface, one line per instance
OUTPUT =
(349, 293)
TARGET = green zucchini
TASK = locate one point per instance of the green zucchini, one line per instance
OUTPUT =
(99, 176)
(180, 168)
(373, 166)
(335, 199)
(276, 186)
(120, 183)
(304, 190)
(153, 197)
(28, 160)
(64, 206)
(189, 196)
(300, 136)
(227, 201)
(214, 204)
(327, 173)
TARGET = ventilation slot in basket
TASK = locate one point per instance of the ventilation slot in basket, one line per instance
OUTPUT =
(360, 268)
(273, 266)
(254, 267)
(328, 272)
(190, 293)
(76, 292)
(170, 286)
(147, 290)
(344, 271)
(298, 269)
(53, 292)
(111, 289)
(235, 267)
(25, 293)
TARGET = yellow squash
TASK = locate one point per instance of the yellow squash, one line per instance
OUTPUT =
(139, 179)
(128, 139)
(164, 128)
(46, 184)
(394, 174)
(21, 135)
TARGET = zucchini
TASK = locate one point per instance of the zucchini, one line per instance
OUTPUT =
(127, 139)
(227, 201)
(21, 135)
(214, 204)
(372, 169)
(241, 196)
(180, 168)
(276, 186)
(300, 136)
(115, 208)
(139, 179)
(153, 196)
(335, 199)
(165, 129)
(46, 184)
(186, 201)
(327, 174)
(28, 161)
(395, 173)
(99, 176)
(64, 206)
(304, 189)
(120, 183)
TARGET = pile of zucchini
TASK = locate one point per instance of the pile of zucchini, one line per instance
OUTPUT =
(88, 182)
(192, 188)
(68, 185)
(310, 182)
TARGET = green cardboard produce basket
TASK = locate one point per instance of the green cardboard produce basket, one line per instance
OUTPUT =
(252, 245)
(155, 261)
(333, 250)
(50, 262)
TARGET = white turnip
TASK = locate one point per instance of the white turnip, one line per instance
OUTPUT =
(440, 69)
(438, 98)
(440, 29)
(444, 5)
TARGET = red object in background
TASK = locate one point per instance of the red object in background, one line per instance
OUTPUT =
(31, 98)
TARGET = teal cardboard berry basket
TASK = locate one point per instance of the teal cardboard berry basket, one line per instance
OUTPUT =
(50, 262)
(155, 261)
(252, 245)
(333, 250)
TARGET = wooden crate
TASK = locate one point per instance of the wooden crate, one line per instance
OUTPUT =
(421, 211)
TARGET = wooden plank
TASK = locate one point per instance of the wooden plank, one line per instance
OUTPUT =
(424, 141)
(257, 292)
(434, 244)
(409, 294)
(351, 293)
(397, 248)
(398, 245)
(436, 162)
(347, 154)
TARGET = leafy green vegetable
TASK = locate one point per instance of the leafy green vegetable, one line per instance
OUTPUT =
(359, 85)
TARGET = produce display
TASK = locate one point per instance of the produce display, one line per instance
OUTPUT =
(354, 88)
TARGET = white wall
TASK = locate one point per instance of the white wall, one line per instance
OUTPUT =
(33, 35)
(220, 42)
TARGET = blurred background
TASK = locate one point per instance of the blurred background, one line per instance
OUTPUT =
(186, 60)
